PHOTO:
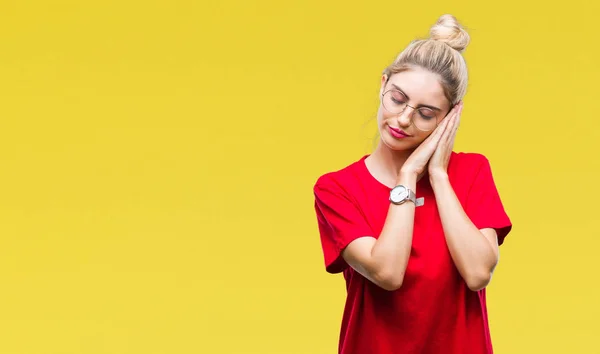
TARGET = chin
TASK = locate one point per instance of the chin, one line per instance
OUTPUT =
(397, 145)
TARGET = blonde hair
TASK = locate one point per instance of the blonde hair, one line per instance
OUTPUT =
(441, 54)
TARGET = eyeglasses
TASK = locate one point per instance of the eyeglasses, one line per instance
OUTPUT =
(424, 118)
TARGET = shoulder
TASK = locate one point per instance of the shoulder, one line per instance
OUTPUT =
(467, 161)
(341, 179)
(469, 158)
(465, 167)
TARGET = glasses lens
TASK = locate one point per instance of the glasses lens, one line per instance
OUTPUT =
(425, 119)
(394, 101)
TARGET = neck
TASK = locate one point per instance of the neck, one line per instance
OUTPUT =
(387, 163)
(389, 160)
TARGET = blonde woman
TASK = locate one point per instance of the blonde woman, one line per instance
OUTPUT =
(415, 227)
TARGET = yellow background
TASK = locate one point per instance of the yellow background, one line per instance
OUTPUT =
(157, 160)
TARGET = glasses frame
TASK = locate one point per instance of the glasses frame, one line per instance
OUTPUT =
(411, 116)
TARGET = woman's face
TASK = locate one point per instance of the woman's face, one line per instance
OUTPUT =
(412, 105)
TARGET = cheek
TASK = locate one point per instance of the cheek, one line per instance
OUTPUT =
(421, 136)
(382, 115)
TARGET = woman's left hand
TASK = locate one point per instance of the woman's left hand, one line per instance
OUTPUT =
(438, 164)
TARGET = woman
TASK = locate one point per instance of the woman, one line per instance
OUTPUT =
(414, 226)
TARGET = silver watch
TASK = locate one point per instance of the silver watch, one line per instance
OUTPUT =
(400, 194)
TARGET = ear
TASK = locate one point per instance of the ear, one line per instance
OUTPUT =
(384, 79)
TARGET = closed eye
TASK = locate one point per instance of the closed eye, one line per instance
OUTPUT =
(397, 101)
(426, 113)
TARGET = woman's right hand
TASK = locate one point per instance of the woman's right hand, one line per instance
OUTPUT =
(418, 159)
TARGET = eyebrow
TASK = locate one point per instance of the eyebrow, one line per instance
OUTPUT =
(420, 105)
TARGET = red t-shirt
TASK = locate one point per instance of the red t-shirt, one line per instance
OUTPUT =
(434, 311)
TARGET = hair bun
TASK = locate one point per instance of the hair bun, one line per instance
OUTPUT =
(448, 30)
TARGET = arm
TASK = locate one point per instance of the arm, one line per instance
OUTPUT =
(475, 256)
(345, 233)
(474, 250)
(383, 261)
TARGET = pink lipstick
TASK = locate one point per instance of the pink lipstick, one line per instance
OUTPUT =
(398, 133)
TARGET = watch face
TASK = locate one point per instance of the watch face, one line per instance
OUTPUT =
(398, 194)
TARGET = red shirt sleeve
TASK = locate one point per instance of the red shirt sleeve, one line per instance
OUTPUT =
(484, 206)
(340, 222)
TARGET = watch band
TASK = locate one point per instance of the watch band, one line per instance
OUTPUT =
(412, 196)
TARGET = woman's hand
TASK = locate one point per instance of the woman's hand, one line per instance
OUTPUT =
(418, 159)
(438, 163)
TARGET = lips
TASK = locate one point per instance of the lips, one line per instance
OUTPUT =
(399, 133)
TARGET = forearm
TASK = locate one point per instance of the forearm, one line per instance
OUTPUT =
(383, 260)
(391, 251)
(472, 253)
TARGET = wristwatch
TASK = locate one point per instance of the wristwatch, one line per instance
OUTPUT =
(400, 194)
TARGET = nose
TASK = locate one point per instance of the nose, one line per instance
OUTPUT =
(404, 118)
